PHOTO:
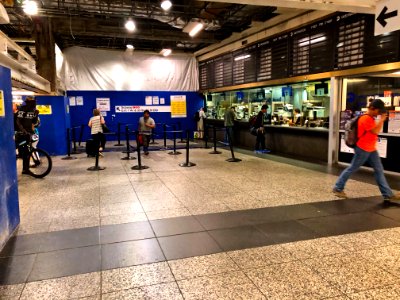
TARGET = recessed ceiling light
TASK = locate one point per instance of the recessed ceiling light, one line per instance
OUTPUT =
(130, 47)
(30, 7)
(130, 25)
(166, 4)
(166, 52)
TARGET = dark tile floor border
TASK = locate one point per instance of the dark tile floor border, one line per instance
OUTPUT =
(70, 252)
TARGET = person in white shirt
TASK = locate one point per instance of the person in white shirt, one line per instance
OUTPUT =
(146, 124)
(96, 129)
(200, 122)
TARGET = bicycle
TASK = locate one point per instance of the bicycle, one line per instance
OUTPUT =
(40, 162)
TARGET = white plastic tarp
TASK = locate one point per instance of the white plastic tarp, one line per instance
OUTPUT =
(94, 69)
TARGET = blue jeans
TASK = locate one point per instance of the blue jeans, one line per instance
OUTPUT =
(359, 158)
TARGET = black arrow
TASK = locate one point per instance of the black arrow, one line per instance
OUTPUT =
(383, 16)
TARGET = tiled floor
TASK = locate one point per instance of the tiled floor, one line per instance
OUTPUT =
(264, 228)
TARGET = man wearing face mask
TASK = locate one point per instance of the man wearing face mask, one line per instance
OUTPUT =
(26, 118)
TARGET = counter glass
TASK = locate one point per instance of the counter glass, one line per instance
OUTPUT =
(312, 99)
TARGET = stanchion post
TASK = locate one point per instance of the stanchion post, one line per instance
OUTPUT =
(68, 146)
(187, 163)
(96, 167)
(81, 135)
(119, 135)
(174, 152)
(165, 135)
(181, 134)
(232, 159)
(206, 135)
(139, 165)
(128, 146)
(215, 142)
(75, 151)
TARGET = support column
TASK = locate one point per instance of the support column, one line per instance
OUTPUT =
(334, 120)
(45, 51)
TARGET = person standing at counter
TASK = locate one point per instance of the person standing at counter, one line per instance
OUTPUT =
(259, 125)
(229, 119)
(365, 151)
(200, 117)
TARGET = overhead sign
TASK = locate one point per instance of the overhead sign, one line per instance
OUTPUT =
(141, 108)
(387, 16)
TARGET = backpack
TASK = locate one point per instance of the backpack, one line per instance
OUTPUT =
(252, 120)
(197, 116)
(351, 132)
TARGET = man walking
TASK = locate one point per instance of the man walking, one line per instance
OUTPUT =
(146, 124)
(365, 151)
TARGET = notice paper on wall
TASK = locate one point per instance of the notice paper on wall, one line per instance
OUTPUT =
(103, 104)
(381, 146)
(79, 100)
(2, 106)
(141, 109)
(394, 122)
(178, 106)
(156, 100)
(162, 100)
(72, 101)
(44, 109)
(148, 100)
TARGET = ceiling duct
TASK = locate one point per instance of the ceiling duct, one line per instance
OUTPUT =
(4, 19)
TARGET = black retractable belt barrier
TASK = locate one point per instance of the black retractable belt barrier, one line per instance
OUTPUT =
(128, 146)
(119, 135)
(232, 159)
(96, 167)
(81, 135)
(181, 134)
(75, 151)
(215, 142)
(174, 152)
(68, 146)
(187, 163)
(153, 134)
(139, 165)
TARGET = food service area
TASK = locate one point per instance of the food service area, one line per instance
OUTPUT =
(110, 188)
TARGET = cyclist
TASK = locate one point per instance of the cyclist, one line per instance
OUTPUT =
(26, 118)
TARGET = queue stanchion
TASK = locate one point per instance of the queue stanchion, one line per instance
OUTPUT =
(96, 167)
(153, 142)
(81, 135)
(68, 157)
(187, 163)
(174, 152)
(215, 142)
(119, 135)
(165, 135)
(181, 134)
(139, 166)
(233, 158)
(128, 146)
(74, 151)
(206, 136)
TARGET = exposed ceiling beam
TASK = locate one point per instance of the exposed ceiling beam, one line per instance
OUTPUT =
(359, 6)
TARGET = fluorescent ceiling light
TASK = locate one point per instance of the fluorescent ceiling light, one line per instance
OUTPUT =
(242, 57)
(30, 7)
(130, 25)
(396, 73)
(22, 93)
(166, 4)
(193, 27)
(130, 47)
(166, 52)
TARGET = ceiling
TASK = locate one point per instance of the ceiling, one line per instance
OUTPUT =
(100, 24)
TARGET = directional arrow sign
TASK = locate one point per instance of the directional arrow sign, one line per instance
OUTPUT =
(387, 16)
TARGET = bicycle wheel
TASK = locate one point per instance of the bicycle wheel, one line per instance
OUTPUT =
(40, 163)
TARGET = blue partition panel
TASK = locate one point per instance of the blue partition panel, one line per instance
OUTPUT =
(9, 209)
(53, 127)
(80, 114)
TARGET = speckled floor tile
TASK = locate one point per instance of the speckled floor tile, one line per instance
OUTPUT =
(168, 213)
(11, 291)
(120, 208)
(387, 258)
(362, 240)
(121, 219)
(391, 234)
(351, 273)
(313, 248)
(390, 292)
(206, 208)
(234, 285)
(136, 276)
(291, 280)
(161, 204)
(166, 291)
(71, 287)
(74, 223)
(261, 256)
(31, 228)
(202, 266)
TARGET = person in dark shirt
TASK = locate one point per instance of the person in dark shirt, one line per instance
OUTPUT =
(26, 118)
(259, 125)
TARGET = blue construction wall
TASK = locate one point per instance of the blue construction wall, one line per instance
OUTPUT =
(9, 208)
(81, 114)
(53, 127)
